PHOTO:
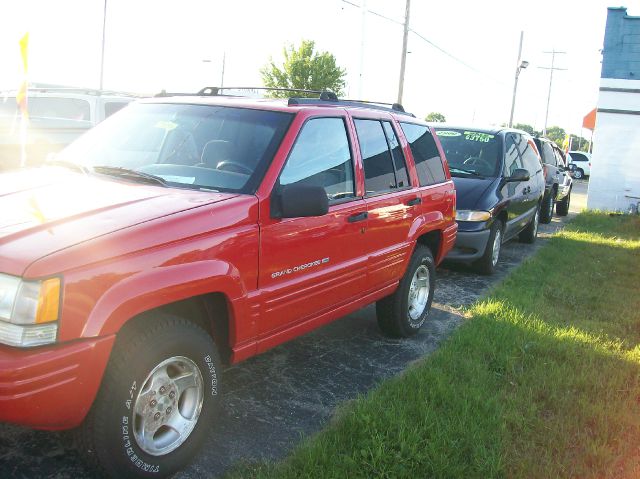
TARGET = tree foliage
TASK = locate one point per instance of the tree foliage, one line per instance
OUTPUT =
(435, 116)
(305, 69)
(557, 135)
(528, 128)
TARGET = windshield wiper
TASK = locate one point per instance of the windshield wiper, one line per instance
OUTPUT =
(68, 164)
(135, 175)
(462, 170)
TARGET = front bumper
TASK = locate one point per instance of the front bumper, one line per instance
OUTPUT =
(51, 387)
(470, 245)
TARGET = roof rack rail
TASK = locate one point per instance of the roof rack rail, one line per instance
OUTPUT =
(324, 98)
(333, 100)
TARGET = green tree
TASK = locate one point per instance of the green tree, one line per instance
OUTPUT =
(525, 127)
(305, 69)
(556, 134)
(435, 116)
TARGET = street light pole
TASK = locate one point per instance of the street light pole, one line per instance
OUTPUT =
(553, 67)
(403, 60)
(520, 65)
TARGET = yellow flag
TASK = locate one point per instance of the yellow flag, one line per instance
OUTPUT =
(21, 96)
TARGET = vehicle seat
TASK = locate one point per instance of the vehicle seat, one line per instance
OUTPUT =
(214, 152)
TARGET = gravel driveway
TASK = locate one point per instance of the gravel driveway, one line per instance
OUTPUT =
(270, 401)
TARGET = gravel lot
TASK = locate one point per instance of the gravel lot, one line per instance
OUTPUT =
(270, 401)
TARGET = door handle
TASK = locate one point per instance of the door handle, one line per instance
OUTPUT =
(358, 217)
(415, 201)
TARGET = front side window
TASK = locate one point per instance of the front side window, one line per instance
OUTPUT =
(425, 154)
(191, 146)
(512, 160)
(321, 157)
(470, 152)
(548, 154)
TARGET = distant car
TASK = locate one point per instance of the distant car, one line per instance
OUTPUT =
(500, 186)
(57, 116)
(558, 181)
(582, 161)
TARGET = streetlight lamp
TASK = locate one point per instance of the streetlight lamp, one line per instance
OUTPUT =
(521, 66)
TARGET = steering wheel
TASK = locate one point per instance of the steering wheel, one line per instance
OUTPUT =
(234, 166)
(476, 161)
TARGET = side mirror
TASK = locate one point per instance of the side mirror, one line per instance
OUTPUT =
(520, 174)
(297, 201)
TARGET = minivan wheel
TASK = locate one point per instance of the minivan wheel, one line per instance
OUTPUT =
(546, 213)
(530, 233)
(562, 207)
(489, 260)
(157, 400)
(405, 311)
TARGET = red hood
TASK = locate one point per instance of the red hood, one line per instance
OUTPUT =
(48, 209)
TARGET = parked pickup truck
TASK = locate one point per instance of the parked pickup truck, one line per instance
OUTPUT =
(187, 232)
(57, 116)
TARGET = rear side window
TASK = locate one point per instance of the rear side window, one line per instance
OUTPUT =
(113, 106)
(425, 154)
(398, 158)
(51, 107)
(379, 171)
(578, 157)
(321, 157)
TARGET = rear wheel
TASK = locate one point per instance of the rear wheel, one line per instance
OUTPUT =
(157, 400)
(546, 211)
(562, 207)
(489, 260)
(405, 311)
(578, 174)
(530, 233)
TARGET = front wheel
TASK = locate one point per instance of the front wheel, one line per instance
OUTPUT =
(489, 260)
(157, 400)
(562, 207)
(403, 313)
(530, 233)
(546, 212)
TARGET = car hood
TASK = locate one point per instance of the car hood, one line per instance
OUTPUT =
(48, 209)
(470, 191)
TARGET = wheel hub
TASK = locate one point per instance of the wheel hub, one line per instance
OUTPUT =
(419, 290)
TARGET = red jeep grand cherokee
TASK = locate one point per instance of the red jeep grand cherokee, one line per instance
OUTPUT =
(185, 232)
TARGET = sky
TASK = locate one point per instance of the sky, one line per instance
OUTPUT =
(179, 45)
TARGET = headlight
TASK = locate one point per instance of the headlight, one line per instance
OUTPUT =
(470, 215)
(28, 311)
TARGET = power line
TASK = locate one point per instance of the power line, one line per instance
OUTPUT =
(422, 37)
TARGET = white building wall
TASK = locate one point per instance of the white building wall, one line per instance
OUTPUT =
(615, 167)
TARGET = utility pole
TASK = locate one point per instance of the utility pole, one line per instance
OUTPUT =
(520, 66)
(363, 32)
(224, 56)
(104, 27)
(403, 59)
(553, 52)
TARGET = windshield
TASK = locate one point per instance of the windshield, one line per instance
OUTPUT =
(470, 153)
(193, 146)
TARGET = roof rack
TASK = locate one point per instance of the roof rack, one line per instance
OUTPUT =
(325, 98)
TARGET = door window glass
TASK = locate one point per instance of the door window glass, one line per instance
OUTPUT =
(321, 157)
(398, 158)
(512, 159)
(425, 154)
(548, 155)
(530, 158)
(378, 167)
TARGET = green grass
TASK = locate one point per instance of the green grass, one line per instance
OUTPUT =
(542, 381)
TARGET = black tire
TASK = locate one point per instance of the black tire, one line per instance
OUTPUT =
(487, 263)
(562, 207)
(530, 233)
(395, 312)
(109, 436)
(546, 210)
(578, 174)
